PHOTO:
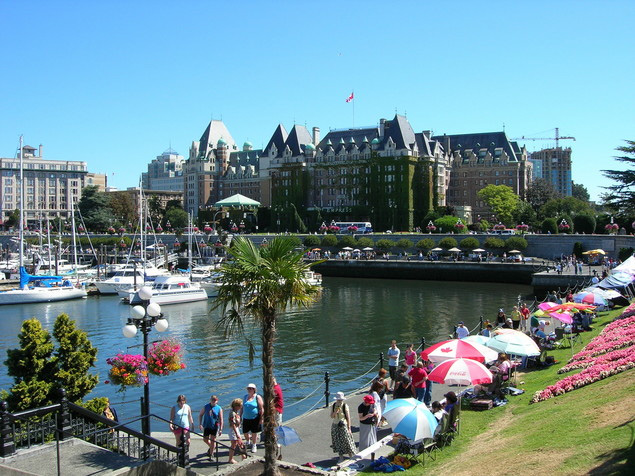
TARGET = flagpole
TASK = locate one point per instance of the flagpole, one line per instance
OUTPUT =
(353, 94)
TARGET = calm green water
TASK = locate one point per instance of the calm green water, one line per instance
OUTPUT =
(342, 333)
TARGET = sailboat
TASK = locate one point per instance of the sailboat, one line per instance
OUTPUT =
(32, 288)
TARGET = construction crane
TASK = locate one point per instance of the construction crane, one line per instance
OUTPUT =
(557, 138)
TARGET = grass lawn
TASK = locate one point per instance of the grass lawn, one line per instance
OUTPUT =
(587, 431)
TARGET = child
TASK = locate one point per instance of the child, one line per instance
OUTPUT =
(234, 430)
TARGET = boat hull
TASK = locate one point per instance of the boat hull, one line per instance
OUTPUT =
(27, 296)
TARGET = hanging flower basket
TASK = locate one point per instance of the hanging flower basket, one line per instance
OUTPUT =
(203, 245)
(195, 229)
(165, 357)
(177, 244)
(80, 228)
(459, 226)
(208, 229)
(218, 244)
(334, 228)
(123, 245)
(234, 229)
(352, 228)
(122, 230)
(431, 228)
(127, 370)
(111, 231)
(522, 227)
(499, 226)
(564, 227)
(612, 227)
(159, 229)
(324, 228)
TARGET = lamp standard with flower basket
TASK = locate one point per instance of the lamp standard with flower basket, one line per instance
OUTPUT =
(431, 228)
(564, 226)
(612, 228)
(145, 315)
(459, 226)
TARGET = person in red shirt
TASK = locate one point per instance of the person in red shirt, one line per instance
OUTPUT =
(419, 377)
(524, 312)
(278, 401)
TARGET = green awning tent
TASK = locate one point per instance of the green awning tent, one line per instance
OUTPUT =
(237, 201)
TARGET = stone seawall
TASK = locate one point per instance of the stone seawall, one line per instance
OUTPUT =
(430, 270)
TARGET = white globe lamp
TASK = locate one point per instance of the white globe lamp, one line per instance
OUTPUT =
(138, 312)
(129, 330)
(145, 293)
(161, 325)
(153, 309)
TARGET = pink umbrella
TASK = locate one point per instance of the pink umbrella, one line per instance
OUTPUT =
(461, 372)
(562, 317)
(458, 348)
(545, 306)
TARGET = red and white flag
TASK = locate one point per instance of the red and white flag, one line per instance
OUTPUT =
(350, 98)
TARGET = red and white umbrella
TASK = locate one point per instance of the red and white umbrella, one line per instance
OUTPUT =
(461, 372)
(459, 348)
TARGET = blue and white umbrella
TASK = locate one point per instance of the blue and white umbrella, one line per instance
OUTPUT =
(410, 418)
(287, 436)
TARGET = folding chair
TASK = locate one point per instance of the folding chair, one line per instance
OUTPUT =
(573, 338)
(560, 339)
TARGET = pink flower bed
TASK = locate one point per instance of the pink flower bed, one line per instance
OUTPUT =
(611, 352)
(602, 359)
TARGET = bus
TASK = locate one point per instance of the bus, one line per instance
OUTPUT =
(362, 226)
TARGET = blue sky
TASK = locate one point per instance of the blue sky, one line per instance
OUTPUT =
(116, 82)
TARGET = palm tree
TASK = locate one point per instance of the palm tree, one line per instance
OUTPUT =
(260, 283)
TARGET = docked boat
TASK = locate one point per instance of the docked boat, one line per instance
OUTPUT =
(32, 288)
(211, 284)
(170, 290)
(313, 278)
(126, 278)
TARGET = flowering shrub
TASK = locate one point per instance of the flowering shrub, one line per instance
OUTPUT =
(127, 370)
(617, 335)
(165, 357)
(602, 359)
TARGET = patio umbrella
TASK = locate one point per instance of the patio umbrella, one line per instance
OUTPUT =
(452, 349)
(437, 249)
(347, 248)
(513, 342)
(595, 252)
(454, 250)
(287, 436)
(562, 316)
(479, 250)
(589, 298)
(514, 251)
(411, 418)
(316, 249)
(368, 248)
(476, 339)
(461, 372)
(545, 306)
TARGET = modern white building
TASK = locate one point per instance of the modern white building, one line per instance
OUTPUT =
(165, 173)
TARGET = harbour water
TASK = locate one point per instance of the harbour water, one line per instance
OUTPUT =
(342, 333)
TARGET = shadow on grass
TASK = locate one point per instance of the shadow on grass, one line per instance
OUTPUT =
(618, 462)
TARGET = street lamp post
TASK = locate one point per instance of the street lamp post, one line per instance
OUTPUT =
(145, 315)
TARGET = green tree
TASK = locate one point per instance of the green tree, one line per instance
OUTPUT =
(580, 192)
(501, 199)
(31, 367)
(329, 240)
(524, 213)
(365, 242)
(95, 208)
(259, 284)
(446, 223)
(404, 243)
(425, 244)
(516, 243)
(539, 192)
(177, 217)
(14, 218)
(584, 223)
(569, 206)
(447, 243)
(469, 243)
(74, 357)
(549, 225)
(122, 206)
(494, 243)
(483, 225)
(621, 195)
(311, 240)
(347, 240)
(624, 253)
(156, 212)
(384, 244)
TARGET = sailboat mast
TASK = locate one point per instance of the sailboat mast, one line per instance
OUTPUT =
(21, 226)
(189, 244)
(48, 240)
(74, 238)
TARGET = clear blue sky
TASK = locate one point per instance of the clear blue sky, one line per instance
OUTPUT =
(116, 82)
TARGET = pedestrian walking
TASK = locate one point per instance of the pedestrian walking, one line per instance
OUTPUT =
(368, 423)
(393, 362)
(237, 443)
(181, 420)
(252, 415)
(210, 421)
(341, 435)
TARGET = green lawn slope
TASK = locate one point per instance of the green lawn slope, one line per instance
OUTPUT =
(587, 431)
